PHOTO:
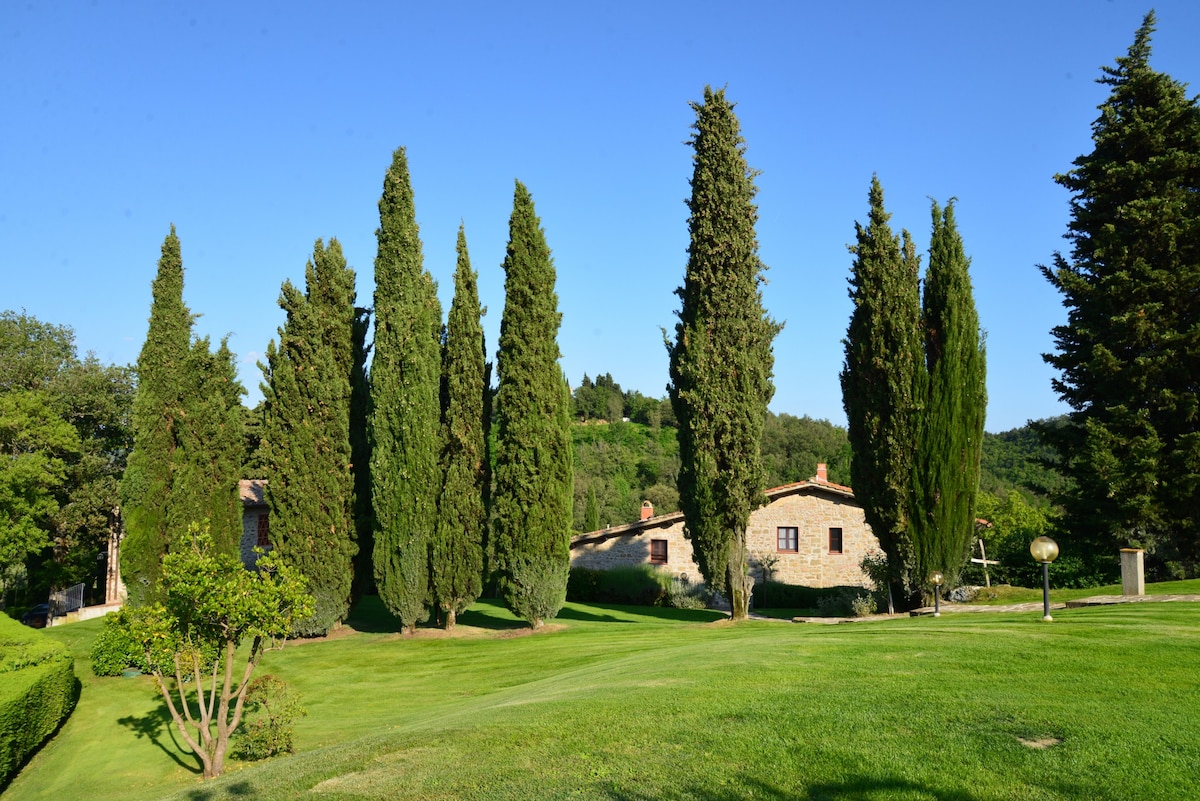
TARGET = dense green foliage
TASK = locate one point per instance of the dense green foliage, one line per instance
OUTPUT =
(360, 456)
(210, 606)
(405, 403)
(951, 427)
(1129, 349)
(792, 447)
(267, 728)
(37, 691)
(883, 383)
(188, 445)
(115, 650)
(620, 465)
(532, 491)
(721, 360)
(306, 435)
(64, 435)
(456, 571)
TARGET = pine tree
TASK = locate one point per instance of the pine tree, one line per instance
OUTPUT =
(534, 486)
(306, 434)
(149, 474)
(405, 404)
(883, 382)
(457, 561)
(722, 359)
(1129, 353)
(950, 442)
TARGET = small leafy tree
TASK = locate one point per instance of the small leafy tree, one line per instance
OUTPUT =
(211, 605)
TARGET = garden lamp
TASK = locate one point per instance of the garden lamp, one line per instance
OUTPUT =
(1045, 550)
(936, 578)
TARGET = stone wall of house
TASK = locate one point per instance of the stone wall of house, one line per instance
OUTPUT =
(250, 515)
(633, 548)
(813, 512)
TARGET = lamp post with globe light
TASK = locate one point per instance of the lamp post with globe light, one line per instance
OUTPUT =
(936, 578)
(1045, 550)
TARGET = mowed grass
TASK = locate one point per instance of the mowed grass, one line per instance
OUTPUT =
(638, 704)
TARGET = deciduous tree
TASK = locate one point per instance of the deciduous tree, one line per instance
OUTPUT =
(211, 606)
(721, 360)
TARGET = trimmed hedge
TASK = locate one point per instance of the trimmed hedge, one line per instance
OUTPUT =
(636, 585)
(777, 595)
(37, 693)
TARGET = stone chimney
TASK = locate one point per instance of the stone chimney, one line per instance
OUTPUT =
(822, 473)
(647, 510)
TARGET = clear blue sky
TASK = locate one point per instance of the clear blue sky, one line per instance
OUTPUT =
(256, 127)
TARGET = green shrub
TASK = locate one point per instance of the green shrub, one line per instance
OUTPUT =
(635, 585)
(114, 649)
(38, 690)
(271, 708)
(686, 595)
(538, 588)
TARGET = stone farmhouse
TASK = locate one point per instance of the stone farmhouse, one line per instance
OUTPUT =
(810, 533)
(256, 519)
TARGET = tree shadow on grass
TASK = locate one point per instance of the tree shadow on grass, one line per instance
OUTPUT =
(158, 726)
(861, 788)
(575, 613)
(235, 790)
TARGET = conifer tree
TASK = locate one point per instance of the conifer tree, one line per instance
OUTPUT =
(533, 490)
(405, 404)
(1129, 353)
(721, 360)
(188, 436)
(883, 384)
(457, 555)
(149, 474)
(306, 435)
(950, 440)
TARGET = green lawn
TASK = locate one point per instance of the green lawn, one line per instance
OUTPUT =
(639, 704)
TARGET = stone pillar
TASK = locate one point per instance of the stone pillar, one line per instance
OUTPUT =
(1133, 573)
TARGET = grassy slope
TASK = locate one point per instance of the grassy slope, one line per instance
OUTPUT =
(625, 704)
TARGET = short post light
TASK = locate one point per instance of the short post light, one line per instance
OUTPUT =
(936, 578)
(1045, 550)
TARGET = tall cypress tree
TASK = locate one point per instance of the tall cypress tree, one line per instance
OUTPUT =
(306, 435)
(1129, 353)
(883, 380)
(722, 359)
(532, 497)
(149, 474)
(188, 436)
(950, 442)
(457, 554)
(405, 403)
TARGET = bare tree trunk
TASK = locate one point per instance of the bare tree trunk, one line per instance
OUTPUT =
(738, 578)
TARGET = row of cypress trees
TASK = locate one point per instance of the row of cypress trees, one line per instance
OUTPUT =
(381, 480)
(914, 390)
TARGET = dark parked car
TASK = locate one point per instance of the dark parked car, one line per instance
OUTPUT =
(37, 617)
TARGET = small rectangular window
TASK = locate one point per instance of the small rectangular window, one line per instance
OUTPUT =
(658, 552)
(264, 531)
(787, 539)
(835, 540)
